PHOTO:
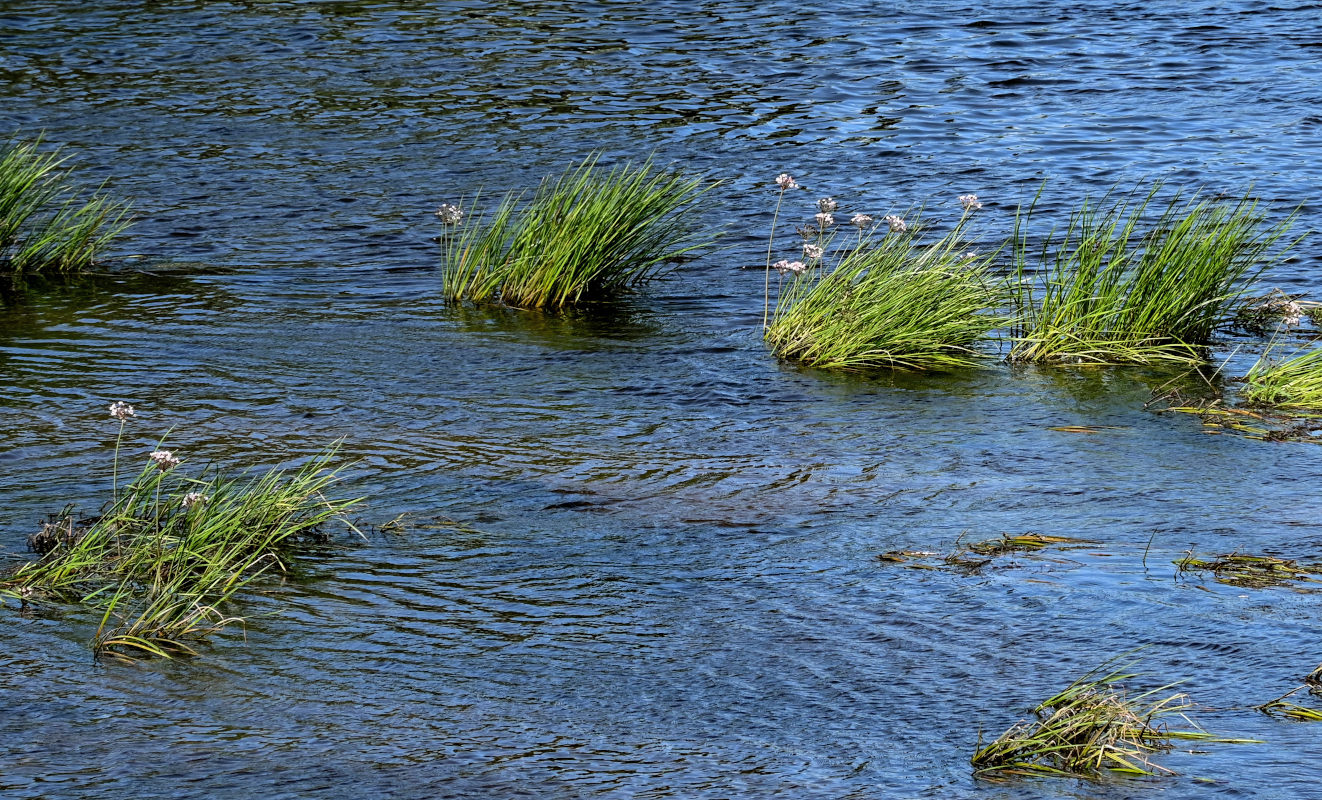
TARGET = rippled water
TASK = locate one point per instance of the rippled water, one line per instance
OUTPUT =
(641, 554)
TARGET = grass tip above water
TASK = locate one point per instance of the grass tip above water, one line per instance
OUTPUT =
(1121, 284)
(590, 234)
(1093, 727)
(884, 297)
(48, 222)
(167, 553)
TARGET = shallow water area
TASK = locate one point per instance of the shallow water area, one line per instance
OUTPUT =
(638, 556)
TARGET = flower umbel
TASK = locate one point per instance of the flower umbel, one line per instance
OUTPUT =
(827, 205)
(825, 220)
(896, 224)
(811, 251)
(969, 202)
(164, 459)
(860, 220)
(784, 181)
(121, 410)
(195, 498)
(450, 214)
(792, 267)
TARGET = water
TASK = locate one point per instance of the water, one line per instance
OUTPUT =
(641, 555)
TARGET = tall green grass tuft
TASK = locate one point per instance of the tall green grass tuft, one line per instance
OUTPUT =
(1091, 727)
(590, 234)
(1295, 382)
(1119, 286)
(168, 553)
(889, 302)
(47, 223)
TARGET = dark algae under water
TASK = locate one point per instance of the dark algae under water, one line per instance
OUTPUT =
(639, 557)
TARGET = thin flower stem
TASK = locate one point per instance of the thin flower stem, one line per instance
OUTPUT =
(766, 300)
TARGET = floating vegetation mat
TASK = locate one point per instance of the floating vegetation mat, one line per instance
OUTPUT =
(1264, 424)
(1280, 707)
(979, 554)
(1257, 572)
(1092, 727)
(162, 561)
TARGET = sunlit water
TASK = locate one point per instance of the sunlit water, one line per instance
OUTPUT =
(639, 555)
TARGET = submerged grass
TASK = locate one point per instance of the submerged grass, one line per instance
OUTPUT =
(1091, 727)
(168, 552)
(47, 223)
(1239, 569)
(889, 302)
(1294, 711)
(590, 234)
(1119, 287)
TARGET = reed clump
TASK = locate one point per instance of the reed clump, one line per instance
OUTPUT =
(1091, 727)
(48, 223)
(890, 300)
(1295, 382)
(590, 234)
(166, 555)
(1283, 708)
(1250, 571)
(1120, 286)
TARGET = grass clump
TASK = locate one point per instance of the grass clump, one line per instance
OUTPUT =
(1257, 572)
(889, 302)
(47, 223)
(590, 234)
(1114, 287)
(1295, 382)
(168, 552)
(1091, 727)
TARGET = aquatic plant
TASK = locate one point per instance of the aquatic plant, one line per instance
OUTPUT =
(47, 223)
(1274, 311)
(1240, 569)
(1090, 727)
(168, 553)
(1116, 288)
(1294, 711)
(589, 234)
(1295, 382)
(890, 301)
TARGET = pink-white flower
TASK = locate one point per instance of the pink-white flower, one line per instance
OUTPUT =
(969, 202)
(896, 224)
(827, 205)
(825, 220)
(164, 459)
(784, 181)
(450, 214)
(121, 410)
(812, 251)
(792, 267)
(860, 221)
(195, 498)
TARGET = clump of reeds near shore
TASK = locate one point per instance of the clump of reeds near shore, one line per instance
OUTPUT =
(168, 552)
(1091, 727)
(890, 301)
(590, 234)
(47, 222)
(1295, 382)
(1241, 569)
(1118, 287)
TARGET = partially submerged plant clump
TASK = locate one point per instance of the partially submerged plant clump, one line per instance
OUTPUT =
(590, 234)
(974, 557)
(1275, 310)
(168, 551)
(1239, 569)
(1295, 382)
(46, 222)
(889, 302)
(1091, 726)
(1294, 711)
(1116, 288)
